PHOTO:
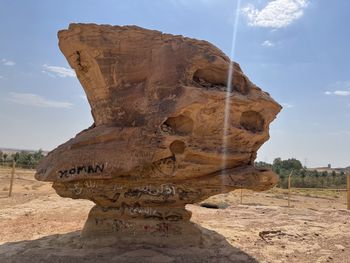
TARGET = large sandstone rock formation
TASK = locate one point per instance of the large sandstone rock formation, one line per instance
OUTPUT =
(158, 103)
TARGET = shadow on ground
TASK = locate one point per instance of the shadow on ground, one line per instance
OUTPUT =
(71, 247)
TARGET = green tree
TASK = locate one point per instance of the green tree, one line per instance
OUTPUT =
(38, 156)
(290, 164)
(334, 174)
(262, 165)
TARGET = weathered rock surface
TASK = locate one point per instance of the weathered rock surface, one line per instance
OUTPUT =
(158, 103)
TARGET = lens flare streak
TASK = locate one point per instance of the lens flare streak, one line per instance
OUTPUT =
(229, 89)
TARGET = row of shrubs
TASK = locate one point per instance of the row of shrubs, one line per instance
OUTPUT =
(23, 159)
(303, 177)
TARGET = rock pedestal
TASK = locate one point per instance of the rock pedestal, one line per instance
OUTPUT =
(158, 140)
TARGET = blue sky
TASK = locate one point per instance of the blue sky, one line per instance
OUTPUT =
(297, 50)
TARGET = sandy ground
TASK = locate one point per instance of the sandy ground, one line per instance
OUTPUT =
(39, 226)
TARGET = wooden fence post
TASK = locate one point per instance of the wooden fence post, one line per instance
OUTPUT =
(348, 190)
(289, 176)
(12, 177)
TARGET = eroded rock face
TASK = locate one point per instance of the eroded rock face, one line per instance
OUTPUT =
(158, 103)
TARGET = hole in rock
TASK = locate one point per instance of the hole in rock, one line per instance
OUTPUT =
(221, 205)
(180, 125)
(210, 78)
(177, 147)
(252, 121)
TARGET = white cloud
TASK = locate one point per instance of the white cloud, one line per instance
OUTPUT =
(1, 77)
(287, 105)
(49, 74)
(62, 72)
(340, 88)
(338, 93)
(6, 62)
(34, 100)
(267, 43)
(342, 92)
(276, 14)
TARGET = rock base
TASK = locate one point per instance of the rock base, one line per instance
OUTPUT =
(116, 227)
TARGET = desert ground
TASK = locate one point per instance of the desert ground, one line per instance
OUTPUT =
(39, 226)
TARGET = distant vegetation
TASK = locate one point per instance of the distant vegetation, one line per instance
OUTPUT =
(303, 177)
(23, 159)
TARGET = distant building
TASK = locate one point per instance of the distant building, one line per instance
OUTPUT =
(328, 169)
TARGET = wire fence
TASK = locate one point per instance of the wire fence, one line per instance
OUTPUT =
(18, 178)
(11, 173)
(8, 164)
